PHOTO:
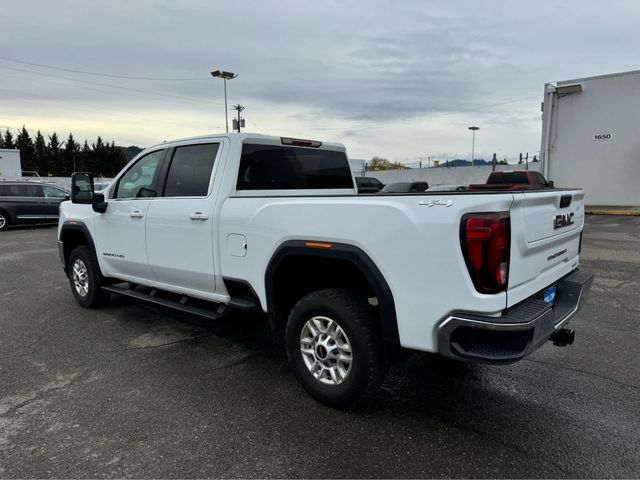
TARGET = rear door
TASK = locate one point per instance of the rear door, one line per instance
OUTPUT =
(180, 222)
(545, 229)
(29, 203)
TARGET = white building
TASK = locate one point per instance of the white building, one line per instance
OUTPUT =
(10, 166)
(591, 137)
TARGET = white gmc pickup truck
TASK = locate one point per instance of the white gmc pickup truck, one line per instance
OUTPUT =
(244, 221)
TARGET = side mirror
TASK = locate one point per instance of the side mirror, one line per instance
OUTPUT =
(83, 192)
(99, 205)
(550, 184)
(82, 188)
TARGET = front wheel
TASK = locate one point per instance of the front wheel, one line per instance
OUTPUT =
(84, 278)
(334, 347)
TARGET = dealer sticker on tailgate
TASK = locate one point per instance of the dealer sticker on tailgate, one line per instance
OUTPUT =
(550, 295)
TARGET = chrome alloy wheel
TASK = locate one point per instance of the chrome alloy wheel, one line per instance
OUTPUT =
(3, 221)
(326, 350)
(80, 277)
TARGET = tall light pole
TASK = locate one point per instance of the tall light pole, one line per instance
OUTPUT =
(225, 76)
(473, 144)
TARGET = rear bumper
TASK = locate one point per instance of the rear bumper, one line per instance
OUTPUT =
(517, 333)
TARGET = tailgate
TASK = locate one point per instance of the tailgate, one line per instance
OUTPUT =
(545, 239)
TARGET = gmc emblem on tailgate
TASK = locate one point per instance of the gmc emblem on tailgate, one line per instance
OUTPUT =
(562, 220)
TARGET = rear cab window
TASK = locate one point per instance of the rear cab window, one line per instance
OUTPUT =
(290, 168)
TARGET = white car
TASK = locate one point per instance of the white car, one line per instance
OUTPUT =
(246, 221)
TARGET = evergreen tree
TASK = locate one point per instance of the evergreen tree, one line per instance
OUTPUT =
(25, 145)
(83, 159)
(7, 141)
(117, 160)
(54, 155)
(69, 156)
(57, 158)
(41, 155)
(98, 158)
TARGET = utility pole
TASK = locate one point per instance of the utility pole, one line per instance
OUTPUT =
(526, 161)
(240, 121)
(473, 145)
(420, 163)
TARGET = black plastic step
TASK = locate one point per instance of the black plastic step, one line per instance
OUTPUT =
(180, 305)
(243, 302)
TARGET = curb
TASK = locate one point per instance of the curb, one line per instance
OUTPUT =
(606, 211)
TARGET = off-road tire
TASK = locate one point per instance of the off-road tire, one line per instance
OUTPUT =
(357, 319)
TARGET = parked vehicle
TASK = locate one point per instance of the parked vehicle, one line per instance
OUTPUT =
(244, 221)
(514, 180)
(100, 186)
(406, 187)
(447, 188)
(368, 184)
(27, 202)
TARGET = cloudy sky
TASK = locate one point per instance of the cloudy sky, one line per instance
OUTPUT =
(400, 79)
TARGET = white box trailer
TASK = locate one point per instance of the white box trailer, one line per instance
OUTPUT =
(10, 166)
(591, 137)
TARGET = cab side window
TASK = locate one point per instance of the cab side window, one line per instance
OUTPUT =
(140, 180)
(190, 170)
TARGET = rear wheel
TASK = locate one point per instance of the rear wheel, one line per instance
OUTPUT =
(84, 278)
(334, 347)
(4, 220)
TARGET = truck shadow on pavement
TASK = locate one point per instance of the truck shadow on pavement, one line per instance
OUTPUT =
(544, 412)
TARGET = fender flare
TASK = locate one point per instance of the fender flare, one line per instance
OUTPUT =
(75, 225)
(352, 254)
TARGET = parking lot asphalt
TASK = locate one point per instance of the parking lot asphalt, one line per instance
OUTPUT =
(132, 390)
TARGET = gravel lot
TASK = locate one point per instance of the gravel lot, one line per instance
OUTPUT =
(138, 391)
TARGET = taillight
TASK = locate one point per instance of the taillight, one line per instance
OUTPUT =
(299, 142)
(486, 244)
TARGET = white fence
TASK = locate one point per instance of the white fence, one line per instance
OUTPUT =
(444, 175)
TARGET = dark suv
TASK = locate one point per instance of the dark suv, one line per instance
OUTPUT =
(368, 184)
(23, 202)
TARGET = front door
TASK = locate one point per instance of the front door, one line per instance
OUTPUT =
(120, 231)
(180, 222)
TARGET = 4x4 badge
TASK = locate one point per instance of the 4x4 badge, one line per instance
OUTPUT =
(433, 203)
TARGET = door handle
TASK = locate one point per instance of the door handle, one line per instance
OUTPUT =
(136, 214)
(199, 216)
